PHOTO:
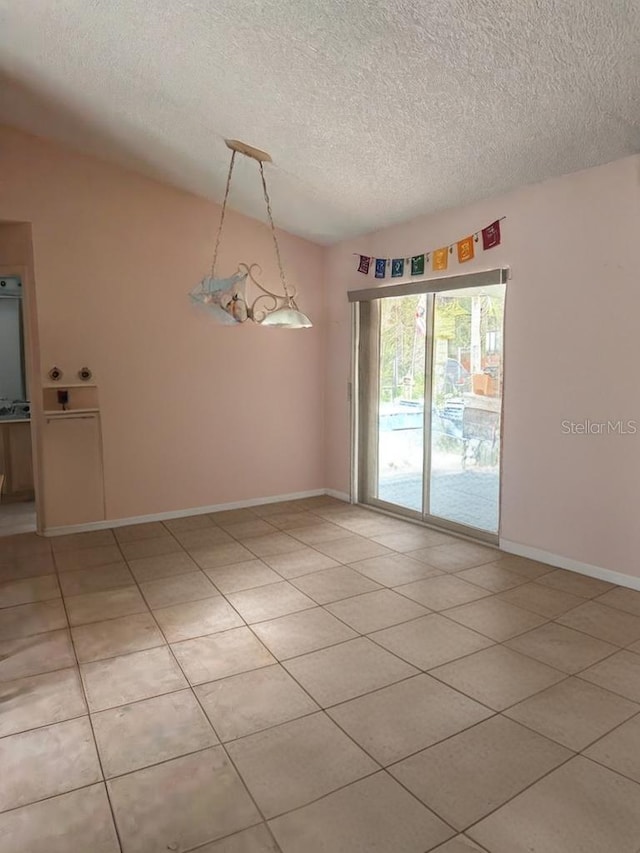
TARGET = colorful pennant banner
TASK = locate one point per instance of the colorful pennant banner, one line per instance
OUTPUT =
(438, 258)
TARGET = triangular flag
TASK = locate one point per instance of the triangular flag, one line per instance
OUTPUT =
(491, 235)
(465, 249)
(417, 265)
(363, 266)
(397, 267)
(381, 267)
(441, 258)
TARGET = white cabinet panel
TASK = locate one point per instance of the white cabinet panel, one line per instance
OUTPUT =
(73, 479)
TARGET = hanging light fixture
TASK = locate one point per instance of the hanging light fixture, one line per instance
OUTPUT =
(226, 297)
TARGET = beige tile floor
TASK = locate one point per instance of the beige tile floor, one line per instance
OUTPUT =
(17, 517)
(311, 677)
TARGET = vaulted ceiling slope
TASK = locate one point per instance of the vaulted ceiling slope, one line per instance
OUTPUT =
(374, 111)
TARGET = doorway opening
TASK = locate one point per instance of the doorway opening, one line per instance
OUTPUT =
(17, 490)
(429, 400)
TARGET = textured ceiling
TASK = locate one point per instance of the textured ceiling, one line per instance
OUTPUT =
(374, 111)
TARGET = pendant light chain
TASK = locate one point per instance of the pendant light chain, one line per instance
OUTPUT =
(224, 208)
(273, 232)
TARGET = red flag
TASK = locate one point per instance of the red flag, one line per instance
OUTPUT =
(491, 235)
(363, 267)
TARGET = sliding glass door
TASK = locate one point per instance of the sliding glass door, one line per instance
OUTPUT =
(430, 370)
(401, 395)
(466, 403)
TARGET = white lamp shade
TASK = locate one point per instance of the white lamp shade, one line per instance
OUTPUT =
(287, 318)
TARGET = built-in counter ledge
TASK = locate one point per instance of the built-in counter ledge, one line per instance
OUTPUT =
(65, 413)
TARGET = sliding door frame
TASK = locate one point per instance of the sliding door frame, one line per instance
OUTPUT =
(364, 396)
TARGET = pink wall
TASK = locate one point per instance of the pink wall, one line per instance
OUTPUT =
(15, 244)
(193, 414)
(573, 309)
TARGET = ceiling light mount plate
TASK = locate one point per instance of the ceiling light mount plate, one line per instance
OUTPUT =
(248, 150)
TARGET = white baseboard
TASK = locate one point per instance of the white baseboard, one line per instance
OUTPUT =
(182, 513)
(619, 578)
(340, 496)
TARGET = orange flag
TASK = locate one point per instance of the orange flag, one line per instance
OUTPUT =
(465, 249)
(440, 258)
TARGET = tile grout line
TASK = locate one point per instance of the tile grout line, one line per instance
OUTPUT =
(46, 726)
(322, 710)
(341, 642)
(86, 701)
(219, 593)
(578, 675)
(220, 742)
(384, 768)
(232, 835)
(567, 676)
(602, 737)
(36, 601)
(518, 793)
(548, 621)
(575, 674)
(544, 776)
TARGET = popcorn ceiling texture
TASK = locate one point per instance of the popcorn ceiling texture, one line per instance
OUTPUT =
(374, 111)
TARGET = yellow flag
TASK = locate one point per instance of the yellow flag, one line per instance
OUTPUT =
(441, 258)
(465, 249)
